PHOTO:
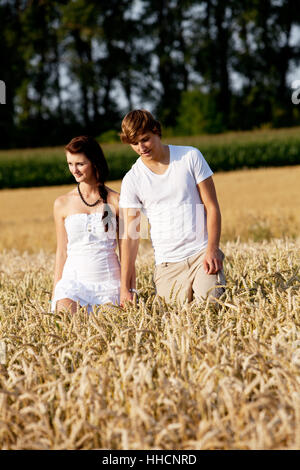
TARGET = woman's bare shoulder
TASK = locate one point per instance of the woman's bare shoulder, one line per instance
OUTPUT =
(112, 196)
(63, 201)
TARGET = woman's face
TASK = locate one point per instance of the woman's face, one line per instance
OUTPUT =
(80, 167)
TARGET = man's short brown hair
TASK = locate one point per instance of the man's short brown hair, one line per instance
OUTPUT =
(137, 122)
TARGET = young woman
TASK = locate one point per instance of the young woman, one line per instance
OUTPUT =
(87, 269)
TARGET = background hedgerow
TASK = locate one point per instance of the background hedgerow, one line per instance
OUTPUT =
(231, 151)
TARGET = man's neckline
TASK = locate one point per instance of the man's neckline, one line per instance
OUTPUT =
(167, 169)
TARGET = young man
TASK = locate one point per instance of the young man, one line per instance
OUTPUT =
(173, 186)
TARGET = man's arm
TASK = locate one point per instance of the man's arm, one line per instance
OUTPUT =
(213, 261)
(129, 240)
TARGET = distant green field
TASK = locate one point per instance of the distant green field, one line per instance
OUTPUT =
(224, 152)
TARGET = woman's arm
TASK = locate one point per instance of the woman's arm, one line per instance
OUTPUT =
(61, 241)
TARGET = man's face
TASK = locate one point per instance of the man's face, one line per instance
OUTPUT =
(146, 145)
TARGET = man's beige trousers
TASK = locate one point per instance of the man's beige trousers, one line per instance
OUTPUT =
(187, 279)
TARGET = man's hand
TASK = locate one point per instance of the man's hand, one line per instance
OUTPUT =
(125, 296)
(129, 233)
(213, 261)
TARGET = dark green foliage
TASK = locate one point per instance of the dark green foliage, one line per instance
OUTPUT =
(198, 114)
(49, 168)
(30, 172)
(77, 67)
(46, 168)
(252, 154)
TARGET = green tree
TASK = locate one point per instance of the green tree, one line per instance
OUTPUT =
(12, 65)
(198, 114)
(102, 54)
(164, 25)
(40, 86)
(212, 52)
(264, 60)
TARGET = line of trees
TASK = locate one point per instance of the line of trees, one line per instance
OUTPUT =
(201, 66)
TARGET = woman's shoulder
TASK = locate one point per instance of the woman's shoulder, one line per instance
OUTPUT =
(113, 198)
(63, 201)
(112, 195)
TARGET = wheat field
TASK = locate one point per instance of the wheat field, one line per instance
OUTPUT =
(152, 375)
(256, 205)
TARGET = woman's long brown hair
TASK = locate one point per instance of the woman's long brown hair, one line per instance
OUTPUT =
(91, 149)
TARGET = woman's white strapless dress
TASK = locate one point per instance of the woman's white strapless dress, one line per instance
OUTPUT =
(91, 274)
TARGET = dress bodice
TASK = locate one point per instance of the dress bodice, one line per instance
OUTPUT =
(88, 230)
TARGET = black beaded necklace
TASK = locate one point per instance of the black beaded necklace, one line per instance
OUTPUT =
(83, 200)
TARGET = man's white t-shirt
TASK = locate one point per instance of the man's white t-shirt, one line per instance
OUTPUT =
(171, 202)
